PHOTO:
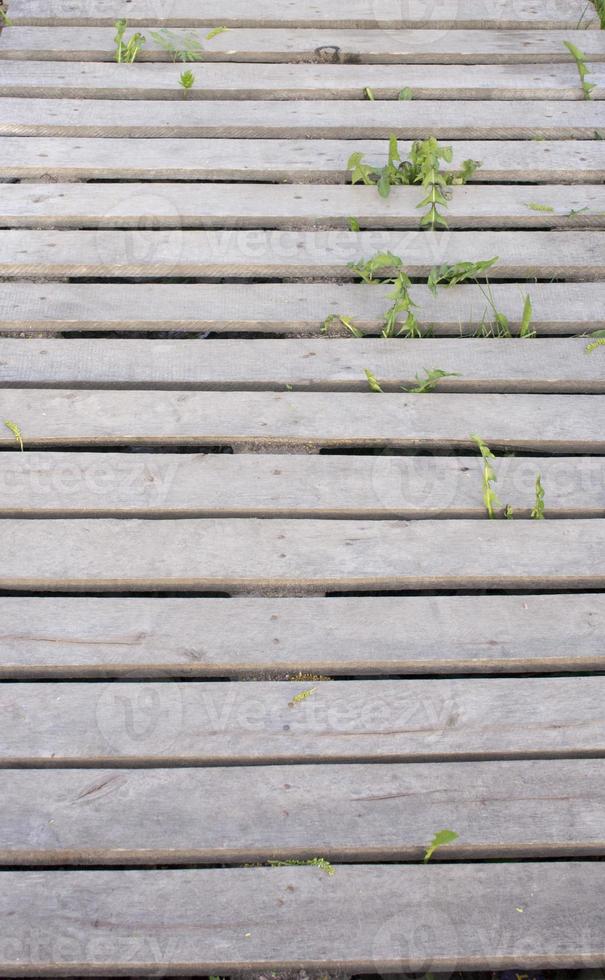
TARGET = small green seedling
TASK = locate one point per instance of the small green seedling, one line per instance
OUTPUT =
(320, 863)
(599, 342)
(430, 382)
(353, 224)
(441, 838)
(372, 381)
(302, 696)
(538, 508)
(4, 19)
(215, 32)
(344, 320)
(369, 95)
(16, 431)
(580, 60)
(490, 498)
(402, 304)
(127, 50)
(525, 329)
(452, 275)
(406, 95)
(187, 80)
(368, 269)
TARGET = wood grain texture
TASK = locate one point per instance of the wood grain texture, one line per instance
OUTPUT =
(287, 308)
(278, 253)
(345, 813)
(221, 205)
(509, 365)
(311, 45)
(247, 555)
(284, 160)
(386, 14)
(82, 637)
(550, 423)
(47, 79)
(192, 723)
(319, 120)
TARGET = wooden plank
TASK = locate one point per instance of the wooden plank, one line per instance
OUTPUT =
(478, 365)
(288, 160)
(247, 555)
(174, 485)
(386, 14)
(360, 919)
(272, 254)
(310, 45)
(184, 723)
(82, 637)
(558, 308)
(167, 205)
(278, 420)
(317, 119)
(345, 813)
(47, 79)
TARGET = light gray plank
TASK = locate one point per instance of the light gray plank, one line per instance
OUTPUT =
(477, 365)
(46, 79)
(81, 637)
(278, 253)
(184, 723)
(290, 308)
(311, 45)
(246, 555)
(174, 485)
(387, 14)
(321, 120)
(288, 160)
(167, 205)
(282, 420)
(345, 813)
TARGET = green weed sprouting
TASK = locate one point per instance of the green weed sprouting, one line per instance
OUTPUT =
(353, 224)
(187, 80)
(534, 206)
(373, 384)
(406, 95)
(441, 838)
(369, 95)
(538, 508)
(599, 342)
(344, 320)
(490, 497)
(185, 46)
(498, 325)
(127, 51)
(580, 60)
(403, 303)
(525, 330)
(4, 19)
(302, 696)
(452, 275)
(320, 863)
(430, 382)
(16, 431)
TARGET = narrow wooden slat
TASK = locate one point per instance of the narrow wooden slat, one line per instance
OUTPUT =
(168, 485)
(551, 423)
(321, 120)
(558, 308)
(345, 813)
(246, 555)
(292, 254)
(310, 45)
(288, 160)
(386, 14)
(478, 365)
(46, 79)
(182, 723)
(292, 206)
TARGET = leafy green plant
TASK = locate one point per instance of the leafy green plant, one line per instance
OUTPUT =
(185, 46)
(538, 508)
(353, 224)
(16, 431)
(369, 95)
(215, 31)
(368, 269)
(583, 69)
(498, 324)
(599, 342)
(320, 863)
(302, 696)
(525, 329)
(372, 381)
(127, 51)
(4, 19)
(344, 320)
(490, 497)
(430, 382)
(533, 206)
(441, 838)
(187, 80)
(406, 95)
(452, 275)
(402, 302)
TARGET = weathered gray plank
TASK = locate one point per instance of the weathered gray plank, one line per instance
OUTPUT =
(550, 423)
(279, 253)
(387, 14)
(288, 160)
(174, 485)
(345, 813)
(477, 365)
(361, 919)
(168, 205)
(47, 79)
(177, 723)
(558, 308)
(321, 120)
(243, 555)
(312, 45)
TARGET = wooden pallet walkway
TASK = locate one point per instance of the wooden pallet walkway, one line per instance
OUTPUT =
(253, 613)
